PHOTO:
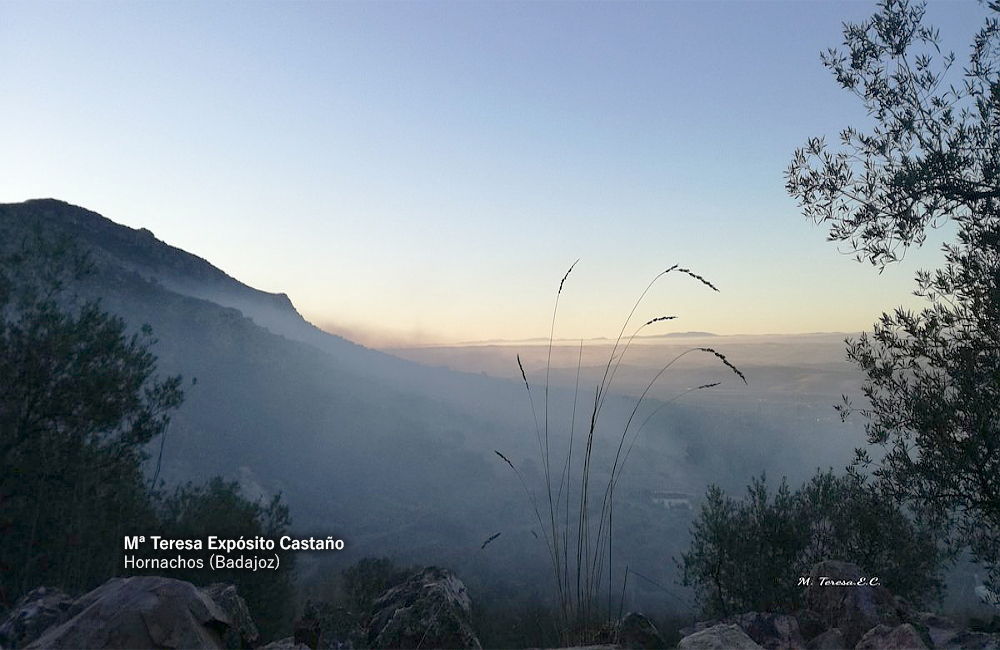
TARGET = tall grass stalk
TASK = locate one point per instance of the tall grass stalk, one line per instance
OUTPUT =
(578, 582)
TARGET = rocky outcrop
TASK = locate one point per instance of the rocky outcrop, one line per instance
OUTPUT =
(883, 637)
(140, 612)
(771, 631)
(832, 639)
(838, 594)
(242, 632)
(718, 637)
(841, 611)
(288, 643)
(33, 613)
(635, 631)
(430, 610)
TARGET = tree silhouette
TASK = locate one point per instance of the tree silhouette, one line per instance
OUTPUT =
(78, 400)
(932, 156)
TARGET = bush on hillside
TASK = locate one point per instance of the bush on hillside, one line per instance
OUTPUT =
(749, 555)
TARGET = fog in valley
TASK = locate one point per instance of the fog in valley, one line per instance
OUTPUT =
(394, 451)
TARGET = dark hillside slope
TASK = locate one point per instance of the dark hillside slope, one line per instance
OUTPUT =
(125, 255)
(127, 250)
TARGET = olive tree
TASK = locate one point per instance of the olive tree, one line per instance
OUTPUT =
(929, 157)
(748, 555)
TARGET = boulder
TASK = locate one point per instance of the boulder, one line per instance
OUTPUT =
(771, 631)
(243, 632)
(288, 643)
(140, 612)
(635, 631)
(33, 613)
(810, 623)
(883, 637)
(973, 641)
(718, 637)
(832, 639)
(940, 630)
(430, 610)
(838, 594)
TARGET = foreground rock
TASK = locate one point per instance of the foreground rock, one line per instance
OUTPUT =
(841, 612)
(430, 610)
(242, 632)
(852, 608)
(883, 637)
(288, 643)
(33, 613)
(140, 612)
(718, 637)
(771, 631)
(636, 632)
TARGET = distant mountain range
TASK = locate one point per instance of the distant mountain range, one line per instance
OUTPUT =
(540, 340)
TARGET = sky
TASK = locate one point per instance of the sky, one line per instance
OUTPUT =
(420, 172)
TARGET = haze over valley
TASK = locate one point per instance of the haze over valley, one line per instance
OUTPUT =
(395, 450)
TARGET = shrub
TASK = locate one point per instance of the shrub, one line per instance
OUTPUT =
(78, 401)
(748, 555)
(194, 512)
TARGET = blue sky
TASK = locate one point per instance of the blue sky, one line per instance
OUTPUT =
(425, 172)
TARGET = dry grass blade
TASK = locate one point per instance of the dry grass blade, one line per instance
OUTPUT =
(725, 361)
(505, 459)
(492, 537)
(592, 546)
(563, 281)
(699, 278)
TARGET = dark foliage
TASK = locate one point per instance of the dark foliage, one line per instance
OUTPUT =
(195, 512)
(933, 377)
(78, 401)
(368, 579)
(748, 555)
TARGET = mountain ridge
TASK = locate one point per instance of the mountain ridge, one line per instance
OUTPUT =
(138, 251)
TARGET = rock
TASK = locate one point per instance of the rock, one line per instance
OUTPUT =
(810, 623)
(883, 637)
(940, 630)
(718, 637)
(430, 610)
(771, 631)
(832, 639)
(33, 613)
(243, 632)
(837, 594)
(140, 612)
(973, 641)
(288, 643)
(635, 631)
